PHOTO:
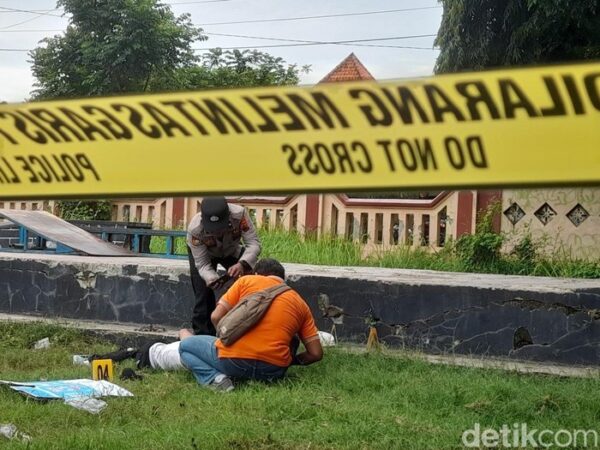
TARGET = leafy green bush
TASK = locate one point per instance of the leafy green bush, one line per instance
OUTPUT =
(526, 250)
(85, 209)
(481, 251)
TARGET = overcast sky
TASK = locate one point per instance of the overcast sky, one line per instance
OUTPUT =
(21, 30)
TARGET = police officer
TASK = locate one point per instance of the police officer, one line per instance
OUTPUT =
(214, 237)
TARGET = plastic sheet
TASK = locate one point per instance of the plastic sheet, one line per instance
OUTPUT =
(10, 431)
(327, 339)
(91, 405)
(41, 344)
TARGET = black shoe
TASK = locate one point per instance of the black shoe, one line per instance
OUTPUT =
(129, 374)
(142, 356)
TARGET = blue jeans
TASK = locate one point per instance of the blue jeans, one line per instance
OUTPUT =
(200, 355)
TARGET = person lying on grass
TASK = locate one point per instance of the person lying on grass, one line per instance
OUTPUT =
(267, 349)
(263, 353)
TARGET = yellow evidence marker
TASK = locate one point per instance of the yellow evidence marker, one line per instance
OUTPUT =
(102, 369)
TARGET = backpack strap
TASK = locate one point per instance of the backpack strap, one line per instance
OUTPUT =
(247, 313)
(276, 290)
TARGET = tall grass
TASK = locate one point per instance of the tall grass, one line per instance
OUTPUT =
(292, 247)
(335, 251)
(409, 258)
(478, 253)
(158, 244)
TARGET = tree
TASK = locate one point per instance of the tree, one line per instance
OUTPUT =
(118, 46)
(111, 47)
(132, 46)
(233, 68)
(478, 34)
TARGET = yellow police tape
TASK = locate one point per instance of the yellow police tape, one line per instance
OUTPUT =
(521, 127)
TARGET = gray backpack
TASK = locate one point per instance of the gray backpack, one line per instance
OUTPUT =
(247, 313)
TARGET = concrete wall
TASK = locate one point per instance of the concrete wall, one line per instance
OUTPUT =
(432, 311)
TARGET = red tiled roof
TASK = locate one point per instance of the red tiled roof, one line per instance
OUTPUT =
(350, 69)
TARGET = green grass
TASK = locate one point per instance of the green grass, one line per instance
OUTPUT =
(349, 401)
(328, 250)
(293, 248)
(158, 244)
(334, 251)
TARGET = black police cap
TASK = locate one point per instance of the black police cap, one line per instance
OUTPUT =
(215, 213)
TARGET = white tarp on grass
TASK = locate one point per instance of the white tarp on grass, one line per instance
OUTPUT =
(66, 389)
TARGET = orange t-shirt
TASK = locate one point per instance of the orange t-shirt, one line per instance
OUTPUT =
(269, 340)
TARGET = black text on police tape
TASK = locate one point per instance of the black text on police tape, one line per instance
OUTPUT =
(51, 168)
(401, 155)
(476, 99)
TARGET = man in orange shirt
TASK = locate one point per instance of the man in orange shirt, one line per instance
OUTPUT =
(264, 352)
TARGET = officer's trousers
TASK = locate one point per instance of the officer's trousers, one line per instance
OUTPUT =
(205, 296)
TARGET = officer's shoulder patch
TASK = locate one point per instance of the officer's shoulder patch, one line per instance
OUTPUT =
(244, 226)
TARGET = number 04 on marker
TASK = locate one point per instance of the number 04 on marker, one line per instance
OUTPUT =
(102, 369)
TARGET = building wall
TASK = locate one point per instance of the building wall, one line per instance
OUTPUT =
(567, 220)
(378, 223)
(266, 211)
(385, 223)
(29, 205)
(158, 211)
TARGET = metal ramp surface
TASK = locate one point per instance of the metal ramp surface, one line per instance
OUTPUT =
(68, 237)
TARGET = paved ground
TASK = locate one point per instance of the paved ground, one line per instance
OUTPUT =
(174, 267)
(452, 360)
